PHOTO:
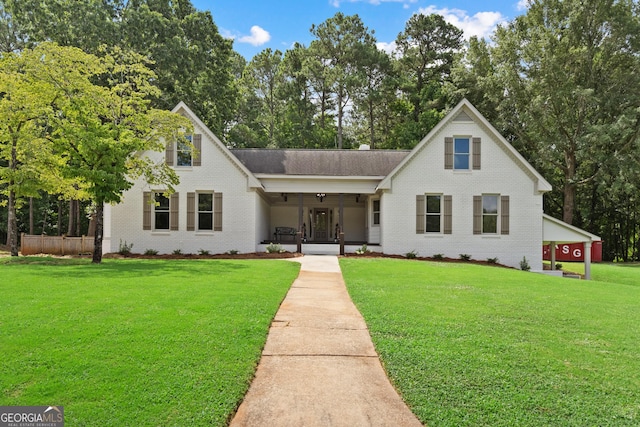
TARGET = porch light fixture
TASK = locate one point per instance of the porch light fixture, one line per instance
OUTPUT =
(357, 198)
(320, 196)
(285, 197)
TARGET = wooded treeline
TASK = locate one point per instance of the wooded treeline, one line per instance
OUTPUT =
(561, 83)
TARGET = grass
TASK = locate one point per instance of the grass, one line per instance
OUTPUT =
(628, 273)
(469, 345)
(135, 342)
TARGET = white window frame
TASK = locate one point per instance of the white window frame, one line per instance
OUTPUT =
(467, 154)
(375, 221)
(156, 211)
(207, 212)
(439, 214)
(495, 215)
(184, 148)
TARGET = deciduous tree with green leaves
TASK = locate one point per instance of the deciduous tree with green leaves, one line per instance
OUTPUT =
(28, 163)
(87, 134)
(570, 75)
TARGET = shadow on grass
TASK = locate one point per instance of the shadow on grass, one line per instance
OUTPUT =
(83, 268)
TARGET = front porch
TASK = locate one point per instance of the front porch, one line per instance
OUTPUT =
(321, 218)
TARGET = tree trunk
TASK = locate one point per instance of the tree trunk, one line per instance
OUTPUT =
(12, 223)
(569, 189)
(569, 202)
(59, 217)
(31, 215)
(78, 222)
(372, 134)
(72, 216)
(97, 239)
(340, 113)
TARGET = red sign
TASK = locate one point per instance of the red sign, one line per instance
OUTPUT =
(573, 252)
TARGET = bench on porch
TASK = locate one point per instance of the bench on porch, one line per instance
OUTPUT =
(288, 232)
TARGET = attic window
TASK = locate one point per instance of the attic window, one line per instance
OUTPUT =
(184, 152)
(461, 153)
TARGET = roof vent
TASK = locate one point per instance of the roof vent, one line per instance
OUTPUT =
(463, 117)
(364, 147)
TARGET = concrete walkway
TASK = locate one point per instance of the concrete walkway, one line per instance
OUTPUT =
(319, 366)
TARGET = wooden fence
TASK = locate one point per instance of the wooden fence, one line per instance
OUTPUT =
(55, 245)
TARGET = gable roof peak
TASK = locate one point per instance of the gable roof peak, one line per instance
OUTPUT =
(465, 107)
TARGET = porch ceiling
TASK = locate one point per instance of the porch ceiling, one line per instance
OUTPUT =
(314, 184)
(558, 231)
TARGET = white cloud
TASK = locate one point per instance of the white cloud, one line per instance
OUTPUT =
(405, 3)
(227, 34)
(387, 47)
(258, 37)
(482, 24)
(522, 5)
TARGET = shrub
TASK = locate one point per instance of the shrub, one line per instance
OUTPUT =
(362, 250)
(524, 264)
(438, 257)
(411, 255)
(124, 248)
(465, 257)
(233, 252)
(493, 260)
(150, 252)
(274, 248)
(177, 252)
(204, 252)
(558, 266)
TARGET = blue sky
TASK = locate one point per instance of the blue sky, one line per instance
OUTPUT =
(255, 25)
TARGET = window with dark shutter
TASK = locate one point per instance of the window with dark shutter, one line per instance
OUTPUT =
(169, 153)
(448, 215)
(434, 213)
(174, 209)
(477, 214)
(197, 147)
(477, 157)
(161, 212)
(217, 211)
(146, 210)
(504, 215)
(448, 153)
(191, 211)
(205, 211)
(420, 213)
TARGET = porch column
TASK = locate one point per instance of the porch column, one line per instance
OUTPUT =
(587, 260)
(300, 219)
(552, 256)
(340, 222)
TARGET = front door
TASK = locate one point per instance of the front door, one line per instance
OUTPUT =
(321, 224)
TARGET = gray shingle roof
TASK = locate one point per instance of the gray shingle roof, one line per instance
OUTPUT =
(320, 162)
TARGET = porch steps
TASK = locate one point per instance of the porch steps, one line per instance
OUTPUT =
(319, 248)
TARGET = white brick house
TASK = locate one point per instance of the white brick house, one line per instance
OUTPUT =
(462, 190)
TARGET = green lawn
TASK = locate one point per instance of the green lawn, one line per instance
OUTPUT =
(468, 345)
(135, 342)
(628, 273)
